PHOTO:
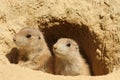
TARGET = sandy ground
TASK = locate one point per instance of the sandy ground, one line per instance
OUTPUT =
(95, 25)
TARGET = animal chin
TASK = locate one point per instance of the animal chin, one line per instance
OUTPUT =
(20, 44)
(59, 53)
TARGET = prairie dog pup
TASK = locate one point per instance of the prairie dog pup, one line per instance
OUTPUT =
(33, 50)
(68, 60)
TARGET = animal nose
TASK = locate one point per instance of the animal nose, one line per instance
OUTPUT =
(14, 40)
(54, 47)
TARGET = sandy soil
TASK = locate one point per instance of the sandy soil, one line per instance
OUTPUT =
(95, 25)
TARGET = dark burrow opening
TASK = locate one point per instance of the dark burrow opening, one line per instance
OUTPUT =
(81, 34)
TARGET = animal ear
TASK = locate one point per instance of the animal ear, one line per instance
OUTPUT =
(77, 47)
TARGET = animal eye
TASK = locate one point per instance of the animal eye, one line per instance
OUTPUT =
(68, 45)
(28, 36)
(39, 37)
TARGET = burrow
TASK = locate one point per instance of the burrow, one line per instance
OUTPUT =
(81, 34)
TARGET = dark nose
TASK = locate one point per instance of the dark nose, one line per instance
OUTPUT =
(54, 48)
(14, 40)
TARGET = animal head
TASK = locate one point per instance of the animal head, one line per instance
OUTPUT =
(65, 47)
(28, 37)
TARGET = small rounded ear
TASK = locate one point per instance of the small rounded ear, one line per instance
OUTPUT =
(77, 47)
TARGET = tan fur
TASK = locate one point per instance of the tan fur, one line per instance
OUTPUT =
(68, 60)
(33, 50)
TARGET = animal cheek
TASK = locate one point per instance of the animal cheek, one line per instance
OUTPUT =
(29, 43)
(65, 50)
(18, 40)
(32, 42)
(72, 48)
(23, 41)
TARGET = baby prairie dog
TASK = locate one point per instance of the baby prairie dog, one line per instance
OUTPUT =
(33, 50)
(68, 60)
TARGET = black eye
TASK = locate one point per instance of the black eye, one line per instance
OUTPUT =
(68, 45)
(28, 36)
(39, 37)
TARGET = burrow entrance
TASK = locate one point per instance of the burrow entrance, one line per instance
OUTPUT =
(82, 35)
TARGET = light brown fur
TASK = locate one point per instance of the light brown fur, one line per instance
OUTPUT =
(68, 60)
(33, 50)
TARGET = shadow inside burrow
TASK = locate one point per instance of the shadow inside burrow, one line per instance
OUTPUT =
(12, 56)
(82, 35)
